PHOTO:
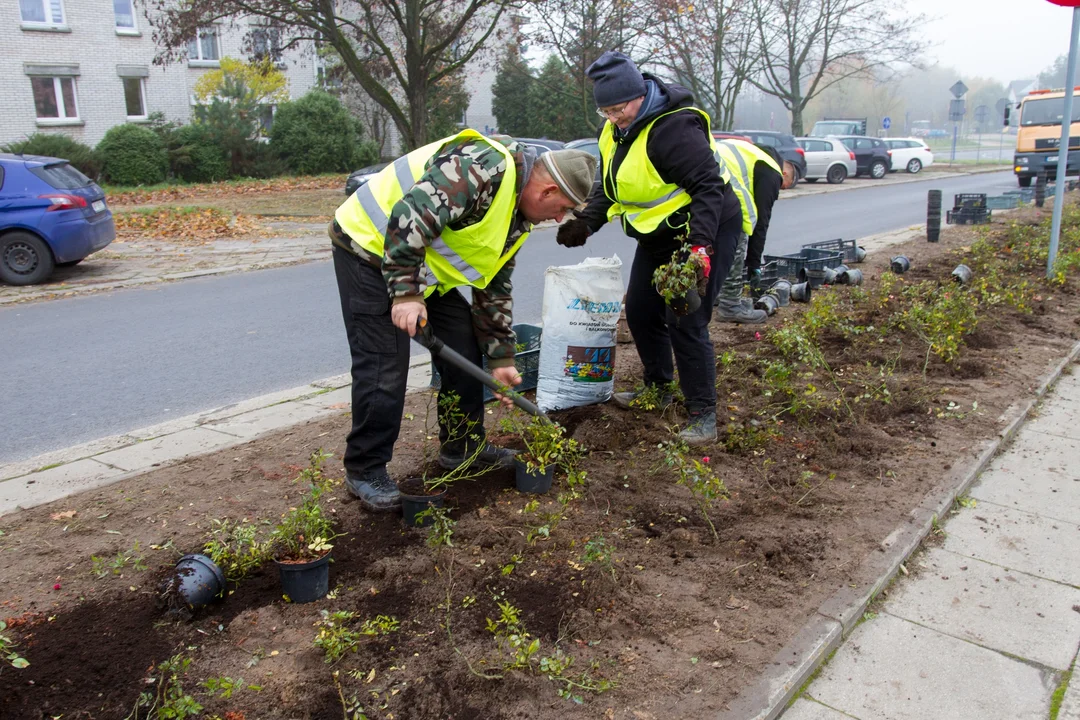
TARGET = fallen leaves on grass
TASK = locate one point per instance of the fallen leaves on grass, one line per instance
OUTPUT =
(225, 189)
(184, 225)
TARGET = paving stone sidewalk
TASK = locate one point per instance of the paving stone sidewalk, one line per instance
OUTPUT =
(987, 625)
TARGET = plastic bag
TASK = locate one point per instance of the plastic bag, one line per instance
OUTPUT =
(580, 313)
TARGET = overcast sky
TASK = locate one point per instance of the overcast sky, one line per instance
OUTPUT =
(1004, 39)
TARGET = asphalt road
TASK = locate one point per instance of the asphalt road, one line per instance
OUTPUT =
(85, 368)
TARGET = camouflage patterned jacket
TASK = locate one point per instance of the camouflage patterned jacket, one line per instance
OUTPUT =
(455, 190)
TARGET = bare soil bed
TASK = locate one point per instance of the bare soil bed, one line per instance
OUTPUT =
(820, 466)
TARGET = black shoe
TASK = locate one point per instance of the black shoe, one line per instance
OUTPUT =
(490, 457)
(700, 428)
(375, 490)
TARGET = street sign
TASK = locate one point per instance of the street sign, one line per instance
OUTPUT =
(983, 111)
(959, 88)
(956, 110)
(887, 122)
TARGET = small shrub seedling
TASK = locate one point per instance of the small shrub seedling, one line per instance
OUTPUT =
(307, 530)
(236, 548)
(7, 650)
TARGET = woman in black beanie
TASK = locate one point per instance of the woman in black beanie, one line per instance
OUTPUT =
(661, 176)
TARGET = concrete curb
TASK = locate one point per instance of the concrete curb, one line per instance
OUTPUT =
(837, 616)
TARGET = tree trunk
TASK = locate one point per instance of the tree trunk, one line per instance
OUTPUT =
(796, 120)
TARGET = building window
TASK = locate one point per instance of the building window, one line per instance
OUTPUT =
(134, 98)
(266, 42)
(204, 48)
(125, 16)
(42, 12)
(54, 97)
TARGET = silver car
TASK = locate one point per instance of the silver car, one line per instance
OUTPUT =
(827, 158)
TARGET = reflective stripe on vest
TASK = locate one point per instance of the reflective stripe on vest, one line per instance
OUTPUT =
(641, 195)
(469, 256)
(741, 182)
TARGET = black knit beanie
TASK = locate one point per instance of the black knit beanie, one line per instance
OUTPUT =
(616, 79)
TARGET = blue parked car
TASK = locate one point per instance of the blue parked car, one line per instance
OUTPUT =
(51, 215)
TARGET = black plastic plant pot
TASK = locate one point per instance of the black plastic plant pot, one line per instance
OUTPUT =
(900, 265)
(532, 482)
(415, 499)
(813, 278)
(850, 277)
(197, 581)
(829, 277)
(768, 303)
(686, 304)
(962, 274)
(801, 293)
(860, 254)
(782, 290)
(305, 582)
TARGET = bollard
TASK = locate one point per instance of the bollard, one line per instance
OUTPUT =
(1040, 189)
(933, 216)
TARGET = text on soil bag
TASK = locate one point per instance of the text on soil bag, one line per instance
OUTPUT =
(600, 308)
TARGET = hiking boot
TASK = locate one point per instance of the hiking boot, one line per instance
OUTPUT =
(623, 399)
(491, 456)
(700, 428)
(728, 310)
(375, 490)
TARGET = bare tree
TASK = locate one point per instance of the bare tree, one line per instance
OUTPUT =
(579, 31)
(808, 45)
(398, 51)
(710, 47)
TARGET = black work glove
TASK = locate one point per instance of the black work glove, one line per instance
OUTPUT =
(573, 233)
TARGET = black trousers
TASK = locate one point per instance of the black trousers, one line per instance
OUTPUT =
(657, 332)
(380, 364)
(767, 184)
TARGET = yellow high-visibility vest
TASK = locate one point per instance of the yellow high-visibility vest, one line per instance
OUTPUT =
(641, 195)
(468, 256)
(742, 157)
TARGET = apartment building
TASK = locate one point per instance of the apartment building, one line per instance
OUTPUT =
(82, 66)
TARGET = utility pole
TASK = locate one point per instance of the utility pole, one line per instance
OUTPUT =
(1066, 132)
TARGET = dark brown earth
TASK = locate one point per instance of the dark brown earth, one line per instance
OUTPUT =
(679, 622)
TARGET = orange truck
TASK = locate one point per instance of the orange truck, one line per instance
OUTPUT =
(1038, 137)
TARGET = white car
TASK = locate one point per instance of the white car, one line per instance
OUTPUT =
(909, 154)
(827, 157)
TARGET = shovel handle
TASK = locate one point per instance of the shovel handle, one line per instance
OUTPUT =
(426, 337)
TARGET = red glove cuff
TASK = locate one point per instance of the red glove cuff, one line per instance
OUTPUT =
(703, 253)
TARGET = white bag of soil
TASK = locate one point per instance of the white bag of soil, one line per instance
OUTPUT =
(581, 312)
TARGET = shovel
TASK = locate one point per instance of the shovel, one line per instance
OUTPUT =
(427, 338)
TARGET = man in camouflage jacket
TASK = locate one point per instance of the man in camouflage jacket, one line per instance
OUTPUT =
(382, 298)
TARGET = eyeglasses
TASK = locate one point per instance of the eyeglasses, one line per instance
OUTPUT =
(612, 112)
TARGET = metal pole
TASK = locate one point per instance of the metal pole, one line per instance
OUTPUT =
(955, 130)
(1063, 150)
(978, 148)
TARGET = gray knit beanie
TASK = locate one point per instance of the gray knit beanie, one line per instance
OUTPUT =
(616, 79)
(573, 171)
